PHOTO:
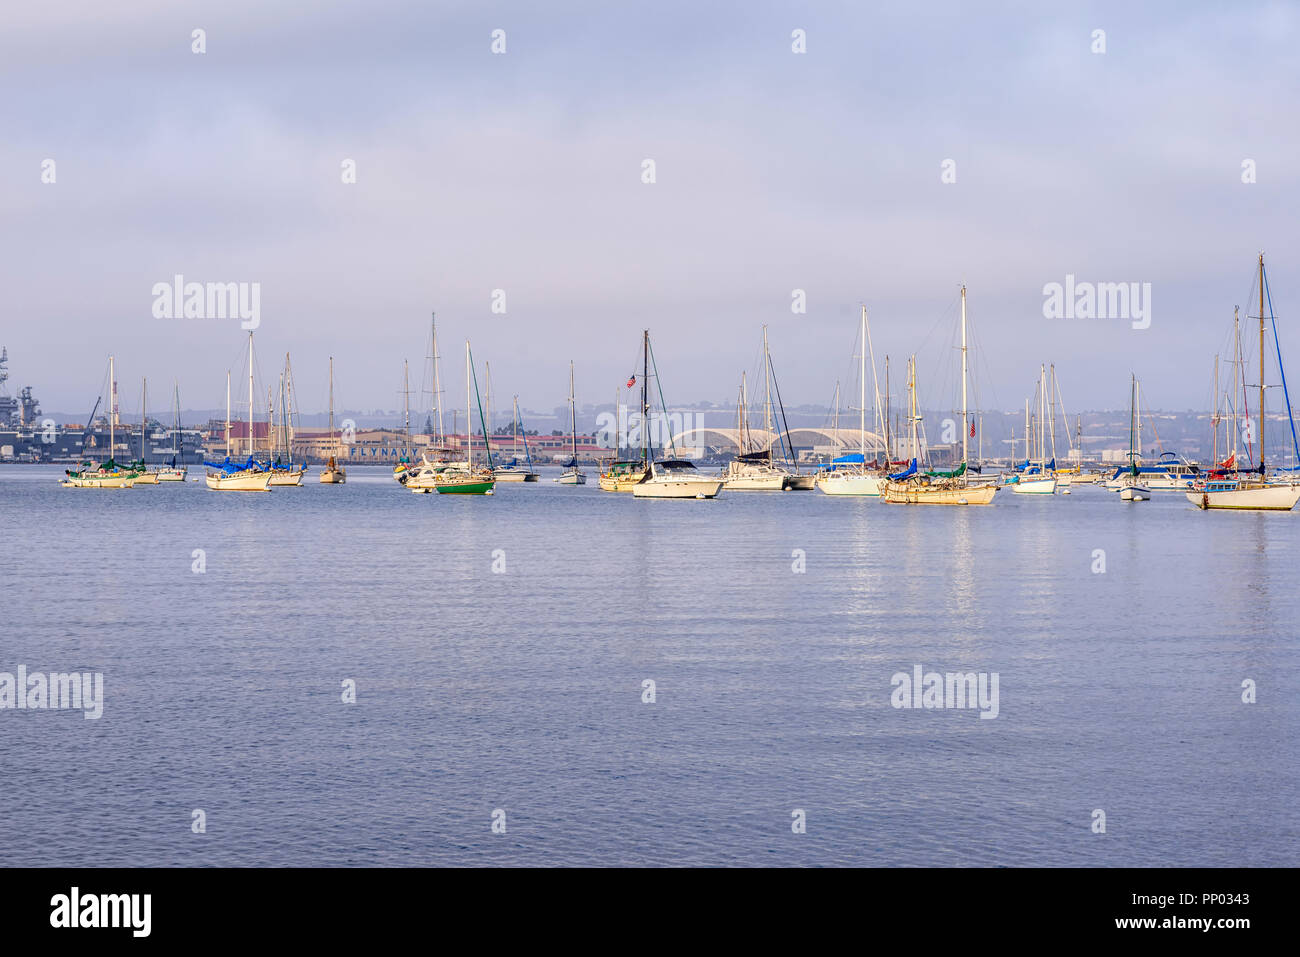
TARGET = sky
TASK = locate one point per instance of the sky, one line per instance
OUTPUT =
(523, 171)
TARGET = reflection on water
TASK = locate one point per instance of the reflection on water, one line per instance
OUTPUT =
(522, 688)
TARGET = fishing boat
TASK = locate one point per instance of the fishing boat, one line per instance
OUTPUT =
(852, 475)
(937, 487)
(332, 473)
(105, 473)
(468, 481)
(228, 476)
(1252, 489)
(572, 475)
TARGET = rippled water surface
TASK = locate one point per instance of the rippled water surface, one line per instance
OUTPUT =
(522, 690)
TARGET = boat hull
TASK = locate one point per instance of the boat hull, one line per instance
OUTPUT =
(333, 477)
(466, 486)
(1134, 493)
(145, 478)
(678, 488)
(572, 478)
(1037, 486)
(851, 483)
(94, 481)
(800, 483)
(1272, 498)
(239, 481)
(286, 477)
(621, 481)
(508, 475)
(172, 474)
(909, 493)
(756, 483)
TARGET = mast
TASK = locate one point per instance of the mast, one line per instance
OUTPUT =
(469, 421)
(1236, 370)
(1132, 418)
(112, 409)
(487, 426)
(573, 418)
(645, 399)
(965, 425)
(1261, 366)
(250, 395)
(1042, 412)
(889, 444)
(227, 413)
(1137, 411)
(144, 414)
(1028, 456)
(1214, 422)
(332, 449)
(1051, 422)
(862, 389)
(875, 383)
(514, 451)
(835, 425)
(911, 388)
(437, 385)
(406, 393)
(767, 386)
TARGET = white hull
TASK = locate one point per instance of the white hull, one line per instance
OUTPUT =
(145, 478)
(285, 477)
(755, 483)
(239, 481)
(1276, 498)
(172, 474)
(1042, 486)
(851, 483)
(333, 477)
(508, 475)
(677, 488)
(116, 481)
(1134, 493)
(572, 478)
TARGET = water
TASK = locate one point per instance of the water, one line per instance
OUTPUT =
(522, 690)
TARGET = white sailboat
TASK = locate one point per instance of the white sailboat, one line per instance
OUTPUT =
(751, 471)
(1038, 477)
(107, 473)
(227, 477)
(332, 473)
(146, 476)
(572, 474)
(469, 480)
(1131, 487)
(857, 478)
(671, 477)
(513, 471)
(174, 472)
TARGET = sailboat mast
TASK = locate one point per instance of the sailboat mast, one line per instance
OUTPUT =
(965, 425)
(144, 406)
(889, 445)
(1051, 422)
(437, 385)
(767, 387)
(1261, 366)
(1214, 422)
(862, 388)
(406, 403)
(1137, 406)
(573, 417)
(469, 421)
(112, 407)
(487, 426)
(332, 449)
(645, 398)
(250, 395)
(1132, 418)
(227, 413)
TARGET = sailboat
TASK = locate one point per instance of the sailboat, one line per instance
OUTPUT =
(753, 470)
(1251, 489)
(147, 476)
(855, 476)
(512, 471)
(107, 473)
(283, 470)
(469, 481)
(624, 475)
(174, 472)
(251, 476)
(332, 473)
(910, 487)
(670, 477)
(1131, 487)
(1038, 475)
(572, 474)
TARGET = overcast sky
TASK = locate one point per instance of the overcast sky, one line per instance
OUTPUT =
(522, 171)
